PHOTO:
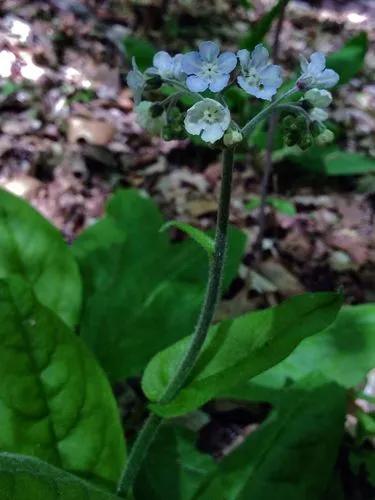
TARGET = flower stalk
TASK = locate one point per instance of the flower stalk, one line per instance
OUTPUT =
(153, 422)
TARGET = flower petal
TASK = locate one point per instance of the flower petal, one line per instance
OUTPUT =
(212, 133)
(260, 56)
(193, 128)
(244, 57)
(196, 83)
(227, 61)
(162, 60)
(191, 63)
(242, 82)
(271, 76)
(208, 51)
(317, 64)
(218, 83)
(328, 78)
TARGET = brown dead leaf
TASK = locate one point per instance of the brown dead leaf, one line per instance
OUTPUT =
(95, 132)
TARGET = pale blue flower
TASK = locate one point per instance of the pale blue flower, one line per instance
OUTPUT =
(167, 66)
(315, 74)
(258, 76)
(207, 68)
(136, 82)
(209, 119)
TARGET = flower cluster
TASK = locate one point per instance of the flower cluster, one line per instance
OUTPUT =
(210, 72)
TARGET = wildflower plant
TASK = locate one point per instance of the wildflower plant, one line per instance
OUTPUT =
(204, 75)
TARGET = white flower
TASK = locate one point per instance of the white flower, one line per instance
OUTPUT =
(315, 74)
(258, 77)
(207, 118)
(167, 66)
(319, 98)
(136, 82)
(207, 69)
(146, 121)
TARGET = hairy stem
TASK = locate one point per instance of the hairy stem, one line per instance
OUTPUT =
(213, 286)
(153, 422)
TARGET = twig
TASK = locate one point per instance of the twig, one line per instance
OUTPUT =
(272, 126)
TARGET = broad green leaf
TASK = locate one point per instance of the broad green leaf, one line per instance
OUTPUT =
(173, 467)
(26, 478)
(344, 353)
(142, 50)
(32, 248)
(263, 26)
(199, 236)
(292, 455)
(55, 402)
(239, 349)
(345, 163)
(349, 60)
(142, 293)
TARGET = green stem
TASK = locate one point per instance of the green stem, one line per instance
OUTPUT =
(251, 124)
(213, 287)
(138, 453)
(152, 424)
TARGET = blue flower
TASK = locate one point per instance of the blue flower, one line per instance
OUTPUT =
(315, 74)
(209, 118)
(208, 69)
(258, 77)
(167, 66)
(136, 82)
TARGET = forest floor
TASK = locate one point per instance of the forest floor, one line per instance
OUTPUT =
(69, 136)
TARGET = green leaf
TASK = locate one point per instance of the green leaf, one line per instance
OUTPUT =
(344, 353)
(292, 455)
(173, 466)
(239, 349)
(349, 60)
(26, 478)
(283, 206)
(141, 49)
(55, 402)
(263, 25)
(200, 237)
(32, 248)
(345, 163)
(140, 289)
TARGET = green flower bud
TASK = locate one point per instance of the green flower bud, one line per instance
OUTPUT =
(153, 83)
(145, 120)
(305, 142)
(316, 128)
(325, 137)
(156, 110)
(232, 137)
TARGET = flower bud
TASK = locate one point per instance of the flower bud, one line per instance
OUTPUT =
(319, 98)
(305, 141)
(232, 137)
(153, 83)
(156, 110)
(325, 137)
